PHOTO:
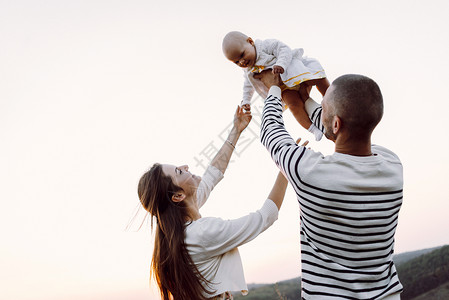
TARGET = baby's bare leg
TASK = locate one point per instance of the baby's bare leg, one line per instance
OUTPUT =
(304, 91)
(321, 84)
(296, 106)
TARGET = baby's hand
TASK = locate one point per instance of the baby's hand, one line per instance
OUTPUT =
(278, 70)
(246, 107)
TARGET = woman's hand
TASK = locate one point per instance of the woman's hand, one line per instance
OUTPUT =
(241, 119)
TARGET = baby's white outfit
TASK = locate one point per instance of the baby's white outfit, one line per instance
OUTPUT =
(270, 52)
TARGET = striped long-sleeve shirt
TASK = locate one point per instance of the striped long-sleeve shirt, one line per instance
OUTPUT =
(349, 209)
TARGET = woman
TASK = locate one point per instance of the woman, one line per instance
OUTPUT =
(195, 257)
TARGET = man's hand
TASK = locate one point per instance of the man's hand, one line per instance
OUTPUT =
(268, 78)
(278, 70)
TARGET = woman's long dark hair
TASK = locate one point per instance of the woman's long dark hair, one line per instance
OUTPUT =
(171, 265)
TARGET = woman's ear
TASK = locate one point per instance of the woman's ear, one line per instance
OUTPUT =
(178, 197)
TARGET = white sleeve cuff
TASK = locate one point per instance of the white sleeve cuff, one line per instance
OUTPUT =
(310, 106)
(213, 173)
(270, 210)
(209, 180)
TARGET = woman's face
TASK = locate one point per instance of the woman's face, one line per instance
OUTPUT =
(182, 178)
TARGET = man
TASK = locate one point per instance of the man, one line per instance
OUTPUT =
(349, 200)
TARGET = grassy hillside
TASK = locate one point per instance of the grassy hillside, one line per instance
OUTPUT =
(439, 293)
(407, 256)
(424, 275)
(285, 290)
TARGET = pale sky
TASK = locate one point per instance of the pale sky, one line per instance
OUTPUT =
(94, 92)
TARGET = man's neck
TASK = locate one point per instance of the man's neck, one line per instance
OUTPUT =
(359, 147)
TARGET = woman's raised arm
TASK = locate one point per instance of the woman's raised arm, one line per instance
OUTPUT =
(241, 121)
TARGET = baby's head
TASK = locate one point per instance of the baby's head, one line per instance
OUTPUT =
(239, 49)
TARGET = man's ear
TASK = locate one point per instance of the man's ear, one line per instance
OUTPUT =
(336, 124)
(250, 40)
(178, 197)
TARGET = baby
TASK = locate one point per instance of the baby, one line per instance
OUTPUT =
(298, 73)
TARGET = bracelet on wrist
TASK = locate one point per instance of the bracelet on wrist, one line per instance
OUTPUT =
(230, 143)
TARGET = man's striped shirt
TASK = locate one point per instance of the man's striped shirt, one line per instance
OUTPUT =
(349, 209)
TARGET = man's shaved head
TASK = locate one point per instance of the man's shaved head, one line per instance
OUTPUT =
(358, 101)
